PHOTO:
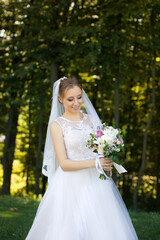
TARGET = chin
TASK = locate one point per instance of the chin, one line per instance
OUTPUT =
(76, 110)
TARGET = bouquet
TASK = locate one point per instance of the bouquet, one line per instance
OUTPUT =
(106, 142)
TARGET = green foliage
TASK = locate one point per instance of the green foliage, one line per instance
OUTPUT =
(99, 42)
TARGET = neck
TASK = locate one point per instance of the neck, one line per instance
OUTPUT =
(73, 116)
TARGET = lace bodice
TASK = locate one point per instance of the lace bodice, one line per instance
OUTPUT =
(75, 135)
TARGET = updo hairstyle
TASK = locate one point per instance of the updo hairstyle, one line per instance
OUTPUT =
(68, 83)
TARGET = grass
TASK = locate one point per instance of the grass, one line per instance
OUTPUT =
(147, 225)
(16, 216)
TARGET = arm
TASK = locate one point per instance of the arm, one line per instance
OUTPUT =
(58, 142)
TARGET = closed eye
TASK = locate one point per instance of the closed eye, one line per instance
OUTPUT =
(71, 99)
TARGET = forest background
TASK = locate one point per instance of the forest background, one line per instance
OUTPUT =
(113, 47)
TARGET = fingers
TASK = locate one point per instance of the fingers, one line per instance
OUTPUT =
(106, 163)
(108, 168)
(107, 160)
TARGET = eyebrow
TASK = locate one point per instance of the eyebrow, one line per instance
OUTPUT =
(77, 95)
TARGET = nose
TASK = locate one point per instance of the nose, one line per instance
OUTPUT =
(76, 102)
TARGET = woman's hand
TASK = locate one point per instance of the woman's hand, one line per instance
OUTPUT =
(106, 164)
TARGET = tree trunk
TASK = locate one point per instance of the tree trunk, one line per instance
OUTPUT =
(54, 73)
(157, 182)
(9, 148)
(27, 179)
(28, 158)
(102, 101)
(157, 192)
(116, 97)
(39, 147)
(145, 137)
(44, 182)
(94, 98)
(117, 101)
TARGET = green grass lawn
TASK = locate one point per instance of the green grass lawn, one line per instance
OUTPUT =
(16, 216)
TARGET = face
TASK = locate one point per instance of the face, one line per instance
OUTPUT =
(72, 99)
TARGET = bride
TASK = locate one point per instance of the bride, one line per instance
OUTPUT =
(77, 204)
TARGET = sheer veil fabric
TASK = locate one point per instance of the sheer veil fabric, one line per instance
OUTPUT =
(50, 162)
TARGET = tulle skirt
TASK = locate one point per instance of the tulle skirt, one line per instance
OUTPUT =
(79, 206)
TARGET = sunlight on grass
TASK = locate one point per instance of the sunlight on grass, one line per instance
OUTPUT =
(9, 214)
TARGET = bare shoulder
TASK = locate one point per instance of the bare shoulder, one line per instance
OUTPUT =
(55, 126)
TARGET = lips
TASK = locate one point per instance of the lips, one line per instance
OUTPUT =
(76, 108)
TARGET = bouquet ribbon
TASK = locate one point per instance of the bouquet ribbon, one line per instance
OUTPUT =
(99, 167)
(118, 167)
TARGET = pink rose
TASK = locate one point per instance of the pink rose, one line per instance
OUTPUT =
(99, 134)
(121, 140)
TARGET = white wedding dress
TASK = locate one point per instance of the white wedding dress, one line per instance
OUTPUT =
(77, 204)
